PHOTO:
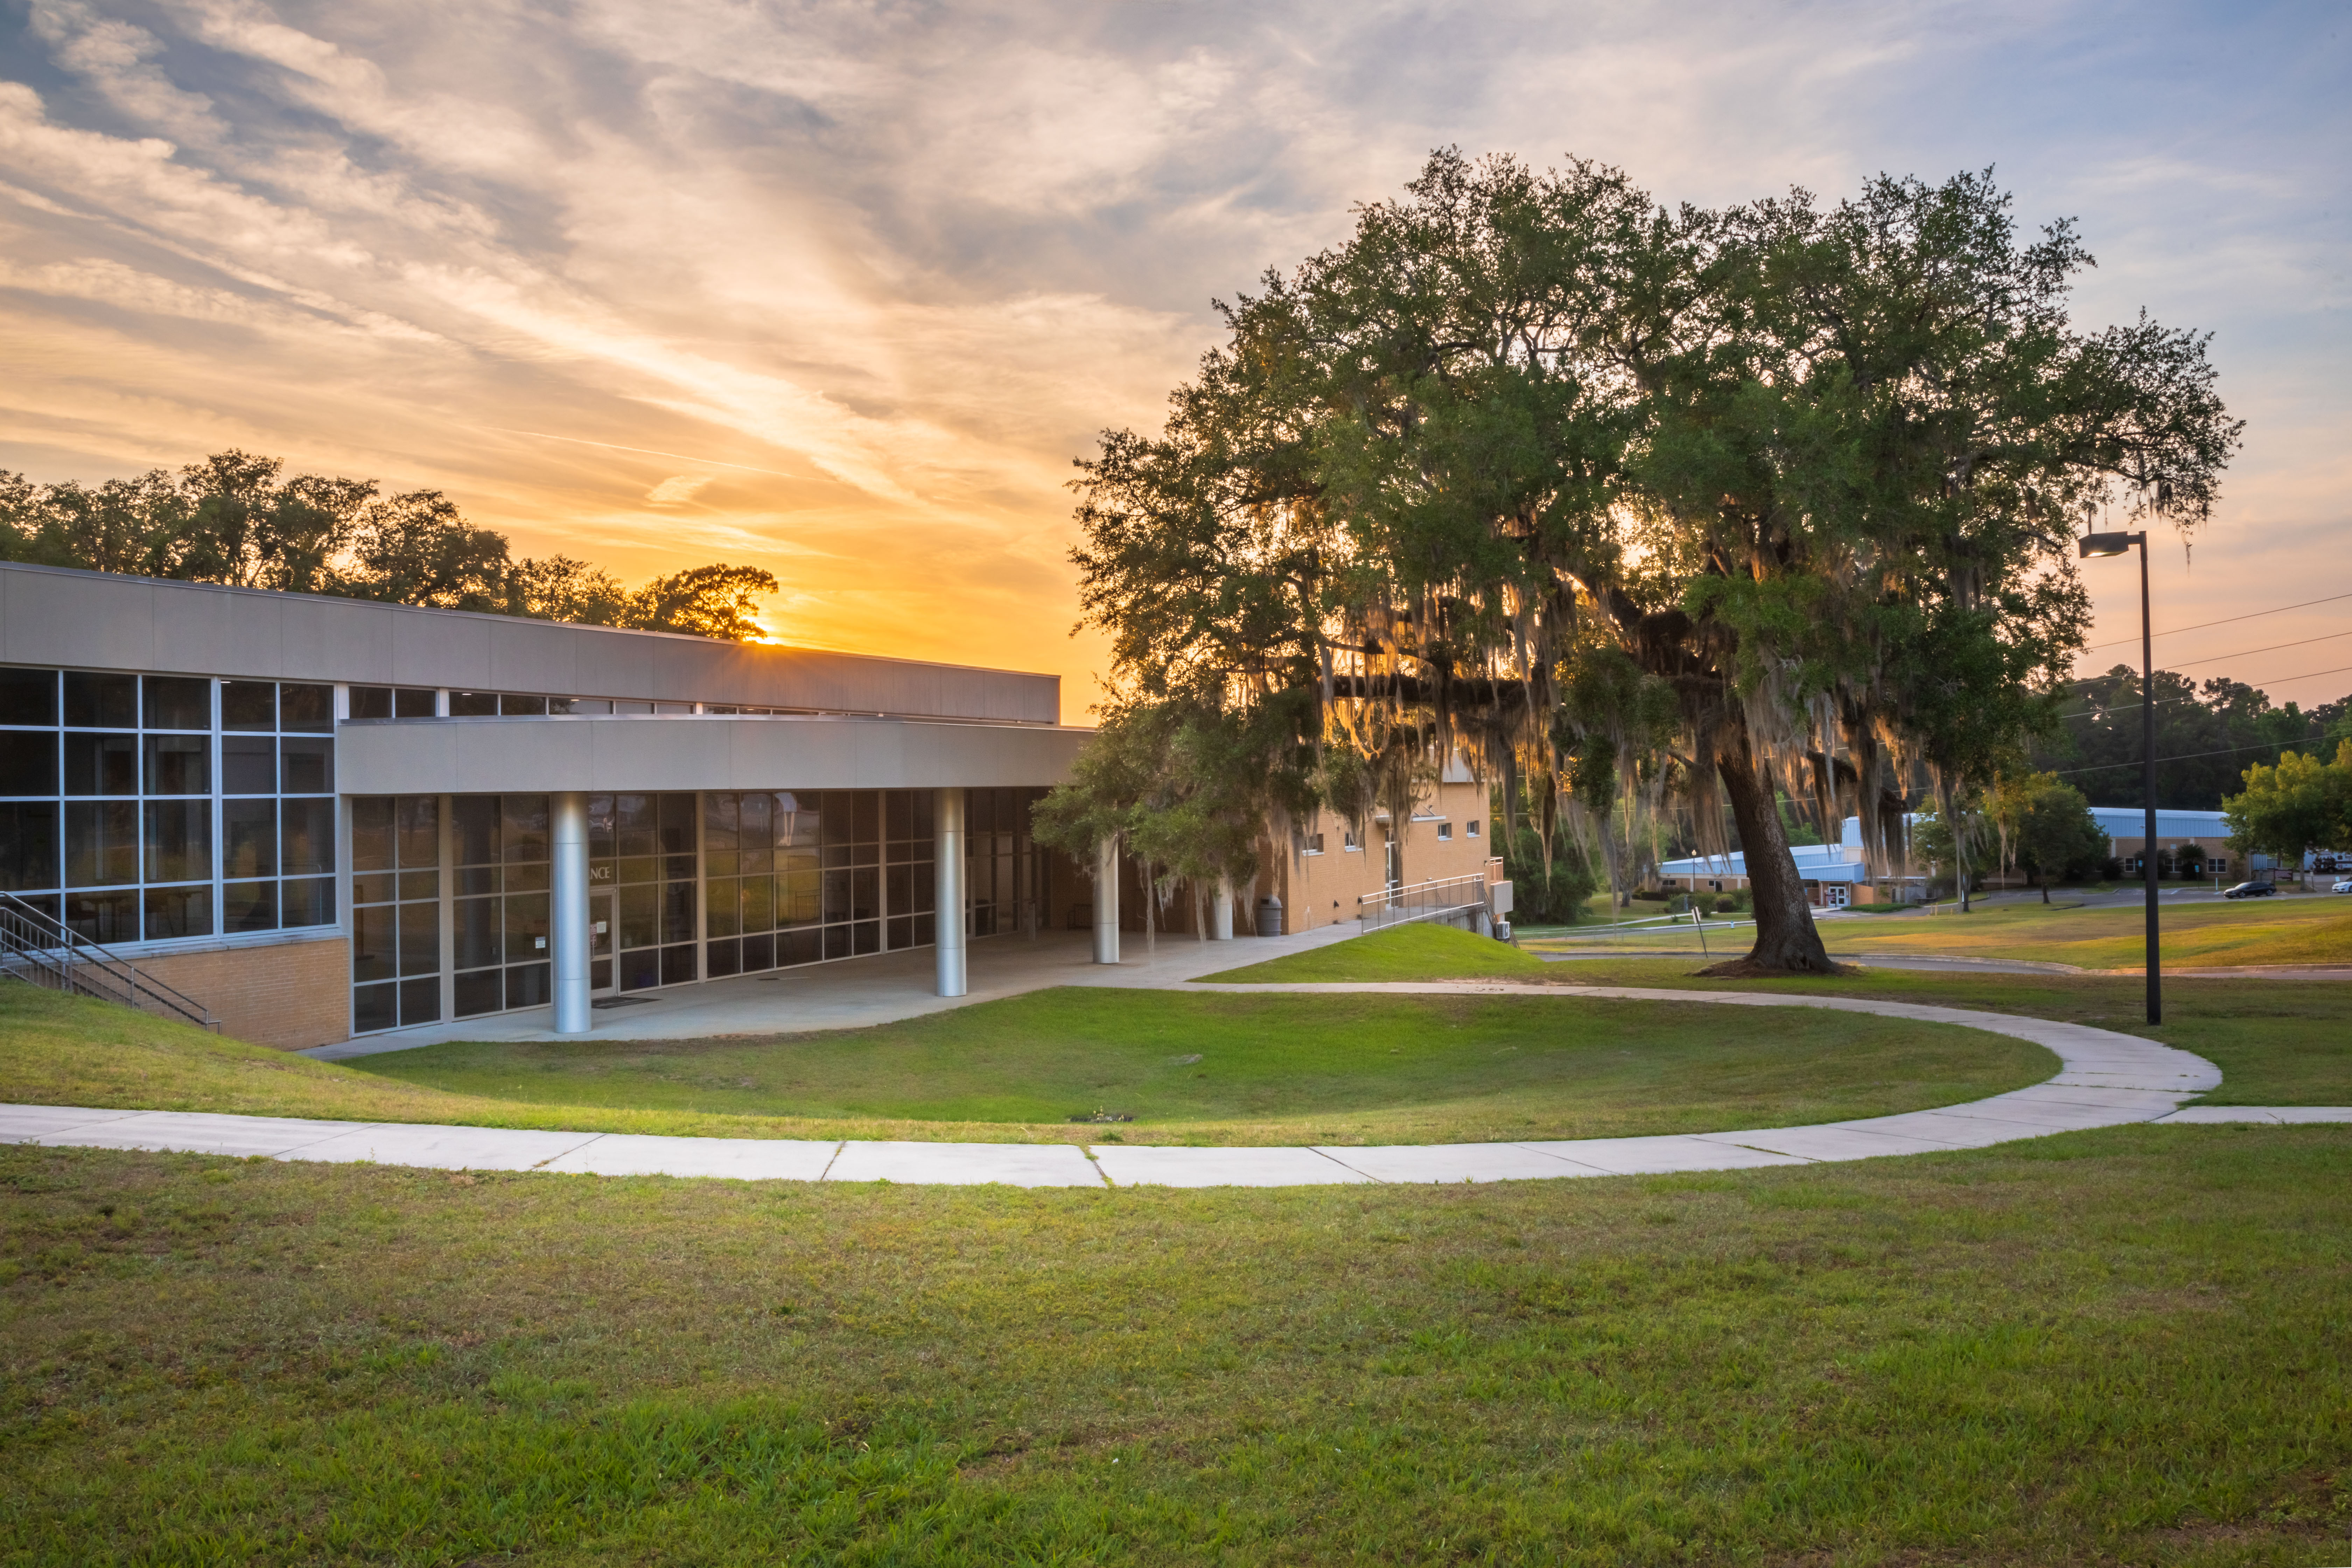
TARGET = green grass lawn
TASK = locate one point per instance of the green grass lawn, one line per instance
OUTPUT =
(1223, 1069)
(2278, 1042)
(1399, 953)
(1202, 1067)
(2195, 936)
(2131, 1346)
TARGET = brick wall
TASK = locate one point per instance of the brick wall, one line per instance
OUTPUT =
(290, 994)
(1322, 889)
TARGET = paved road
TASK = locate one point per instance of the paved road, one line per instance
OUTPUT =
(2104, 1079)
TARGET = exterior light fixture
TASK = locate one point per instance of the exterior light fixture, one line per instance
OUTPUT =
(2095, 545)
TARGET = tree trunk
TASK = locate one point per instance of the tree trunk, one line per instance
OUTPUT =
(1786, 940)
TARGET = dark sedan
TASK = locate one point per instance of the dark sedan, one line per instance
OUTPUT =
(2250, 891)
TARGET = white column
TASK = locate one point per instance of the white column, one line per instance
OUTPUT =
(568, 909)
(947, 862)
(1221, 911)
(1107, 901)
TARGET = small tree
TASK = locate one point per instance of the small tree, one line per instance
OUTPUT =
(1943, 849)
(2046, 826)
(2302, 803)
(1187, 789)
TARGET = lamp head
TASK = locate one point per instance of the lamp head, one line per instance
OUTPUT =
(2096, 545)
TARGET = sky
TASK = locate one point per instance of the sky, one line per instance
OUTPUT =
(842, 289)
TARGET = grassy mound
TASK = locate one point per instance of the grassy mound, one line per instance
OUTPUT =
(1400, 952)
(1214, 1067)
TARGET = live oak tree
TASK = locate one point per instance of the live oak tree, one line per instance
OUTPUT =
(232, 519)
(1606, 496)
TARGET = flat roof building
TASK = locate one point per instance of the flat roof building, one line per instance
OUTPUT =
(1835, 876)
(323, 816)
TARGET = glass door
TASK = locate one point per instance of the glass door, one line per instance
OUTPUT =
(601, 922)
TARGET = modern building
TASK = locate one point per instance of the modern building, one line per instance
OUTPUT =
(322, 816)
(2189, 844)
(1834, 874)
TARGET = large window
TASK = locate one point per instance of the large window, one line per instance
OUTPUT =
(450, 894)
(396, 912)
(500, 916)
(147, 807)
(643, 844)
(800, 876)
(1004, 875)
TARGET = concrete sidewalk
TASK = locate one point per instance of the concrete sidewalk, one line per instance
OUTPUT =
(2105, 1079)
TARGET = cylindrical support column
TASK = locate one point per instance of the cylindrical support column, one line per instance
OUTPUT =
(567, 935)
(1107, 901)
(1221, 911)
(947, 860)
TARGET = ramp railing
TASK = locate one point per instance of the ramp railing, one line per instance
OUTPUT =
(1443, 899)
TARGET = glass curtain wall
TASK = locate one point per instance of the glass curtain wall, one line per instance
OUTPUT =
(396, 912)
(1004, 873)
(498, 913)
(801, 876)
(644, 846)
(727, 883)
(148, 808)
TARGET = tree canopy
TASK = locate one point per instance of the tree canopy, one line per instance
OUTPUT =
(2045, 825)
(232, 519)
(2303, 803)
(2207, 734)
(1629, 503)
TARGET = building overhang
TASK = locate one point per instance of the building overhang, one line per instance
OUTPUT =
(697, 752)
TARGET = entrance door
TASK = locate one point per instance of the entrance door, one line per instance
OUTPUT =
(1395, 864)
(1834, 894)
(603, 921)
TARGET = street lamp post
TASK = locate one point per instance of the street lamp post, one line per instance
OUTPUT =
(2099, 545)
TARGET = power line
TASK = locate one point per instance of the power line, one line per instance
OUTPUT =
(2224, 621)
(2176, 701)
(2187, 756)
(2249, 652)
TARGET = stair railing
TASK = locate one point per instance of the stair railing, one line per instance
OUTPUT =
(40, 950)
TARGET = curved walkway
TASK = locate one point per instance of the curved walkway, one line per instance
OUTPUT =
(2105, 1079)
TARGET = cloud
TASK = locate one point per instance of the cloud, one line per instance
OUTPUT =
(119, 60)
(676, 491)
(847, 285)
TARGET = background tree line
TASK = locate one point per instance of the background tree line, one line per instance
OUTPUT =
(232, 519)
(1649, 512)
(2205, 737)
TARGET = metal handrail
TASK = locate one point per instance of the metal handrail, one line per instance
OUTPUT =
(40, 950)
(1387, 894)
(1423, 901)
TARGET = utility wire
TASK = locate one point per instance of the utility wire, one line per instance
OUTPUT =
(2247, 652)
(2176, 701)
(2224, 621)
(2184, 757)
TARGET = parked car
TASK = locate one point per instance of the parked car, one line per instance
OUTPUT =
(2343, 887)
(2250, 890)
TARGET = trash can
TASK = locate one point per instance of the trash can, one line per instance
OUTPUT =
(1269, 916)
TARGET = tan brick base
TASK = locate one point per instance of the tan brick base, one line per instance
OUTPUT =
(289, 994)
